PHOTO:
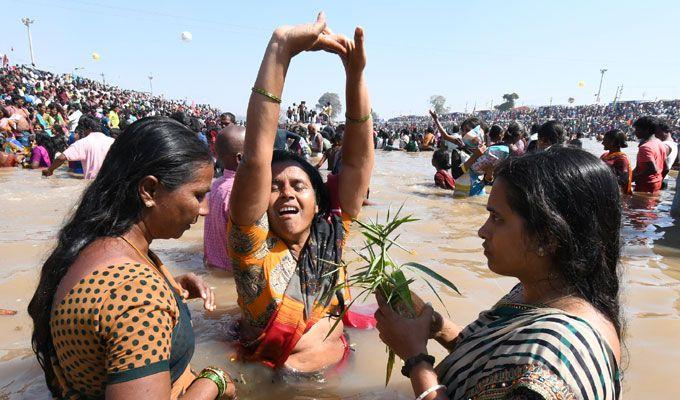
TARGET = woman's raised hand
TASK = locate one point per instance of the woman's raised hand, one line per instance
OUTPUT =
(308, 37)
(354, 54)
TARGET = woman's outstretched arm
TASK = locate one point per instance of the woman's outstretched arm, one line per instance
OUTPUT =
(357, 148)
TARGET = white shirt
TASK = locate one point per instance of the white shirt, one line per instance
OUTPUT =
(73, 120)
(673, 154)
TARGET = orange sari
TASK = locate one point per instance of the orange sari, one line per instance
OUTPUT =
(620, 165)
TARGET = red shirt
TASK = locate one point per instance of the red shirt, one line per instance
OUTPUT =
(651, 150)
(444, 180)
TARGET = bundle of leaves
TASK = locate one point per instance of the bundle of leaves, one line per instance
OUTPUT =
(380, 273)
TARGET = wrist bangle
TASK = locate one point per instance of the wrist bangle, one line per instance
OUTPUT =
(413, 361)
(430, 390)
(216, 378)
(360, 120)
(266, 94)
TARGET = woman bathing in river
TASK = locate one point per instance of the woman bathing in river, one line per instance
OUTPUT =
(557, 334)
(281, 225)
(109, 321)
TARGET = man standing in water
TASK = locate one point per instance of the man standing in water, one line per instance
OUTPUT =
(649, 170)
(91, 149)
(229, 149)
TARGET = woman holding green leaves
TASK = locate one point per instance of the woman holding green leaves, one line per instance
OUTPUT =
(557, 334)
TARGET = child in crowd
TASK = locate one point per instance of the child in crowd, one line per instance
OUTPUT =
(441, 162)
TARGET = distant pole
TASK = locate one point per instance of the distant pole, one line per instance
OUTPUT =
(26, 21)
(150, 84)
(103, 78)
(550, 102)
(599, 90)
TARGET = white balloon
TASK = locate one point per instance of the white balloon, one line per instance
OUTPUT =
(186, 36)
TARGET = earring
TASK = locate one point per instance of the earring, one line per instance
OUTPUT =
(541, 251)
(148, 204)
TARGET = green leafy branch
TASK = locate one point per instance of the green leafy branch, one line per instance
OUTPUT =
(381, 273)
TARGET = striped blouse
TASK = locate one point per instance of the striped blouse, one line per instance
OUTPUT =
(519, 351)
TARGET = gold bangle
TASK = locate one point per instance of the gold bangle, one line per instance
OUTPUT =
(360, 120)
(216, 378)
(266, 94)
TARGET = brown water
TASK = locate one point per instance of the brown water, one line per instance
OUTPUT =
(445, 239)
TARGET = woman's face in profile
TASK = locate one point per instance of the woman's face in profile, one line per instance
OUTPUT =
(505, 240)
(175, 211)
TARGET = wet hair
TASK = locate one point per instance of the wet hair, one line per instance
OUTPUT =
(617, 137)
(551, 132)
(44, 140)
(110, 206)
(647, 124)
(323, 198)
(441, 159)
(454, 128)
(515, 130)
(470, 123)
(571, 205)
(534, 128)
(495, 133)
(88, 123)
(182, 118)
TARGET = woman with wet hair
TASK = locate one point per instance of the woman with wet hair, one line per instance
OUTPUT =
(109, 321)
(613, 141)
(284, 241)
(554, 224)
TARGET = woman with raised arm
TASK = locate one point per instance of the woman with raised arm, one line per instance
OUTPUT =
(284, 241)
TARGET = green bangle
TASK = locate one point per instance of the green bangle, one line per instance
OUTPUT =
(266, 94)
(215, 377)
(360, 120)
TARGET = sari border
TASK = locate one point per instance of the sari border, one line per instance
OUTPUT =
(534, 377)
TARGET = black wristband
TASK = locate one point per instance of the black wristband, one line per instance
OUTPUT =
(415, 360)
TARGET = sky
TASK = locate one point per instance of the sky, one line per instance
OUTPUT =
(470, 52)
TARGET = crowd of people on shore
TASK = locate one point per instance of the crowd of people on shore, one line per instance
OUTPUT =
(585, 120)
(111, 322)
(40, 109)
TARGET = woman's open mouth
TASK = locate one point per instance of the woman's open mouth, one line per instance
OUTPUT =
(288, 211)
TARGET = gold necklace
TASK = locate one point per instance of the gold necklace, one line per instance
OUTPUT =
(139, 252)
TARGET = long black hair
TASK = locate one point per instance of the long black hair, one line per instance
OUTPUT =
(571, 205)
(111, 205)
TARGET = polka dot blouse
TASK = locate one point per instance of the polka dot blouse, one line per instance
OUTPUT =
(113, 326)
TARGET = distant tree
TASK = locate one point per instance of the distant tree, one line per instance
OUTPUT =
(509, 102)
(438, 103)
(334, 99)
(375, 115)
(571, 100)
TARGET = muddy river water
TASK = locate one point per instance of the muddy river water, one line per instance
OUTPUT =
(445, 238)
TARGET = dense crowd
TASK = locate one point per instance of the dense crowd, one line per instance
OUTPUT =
(42, 109)
(585, 120)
